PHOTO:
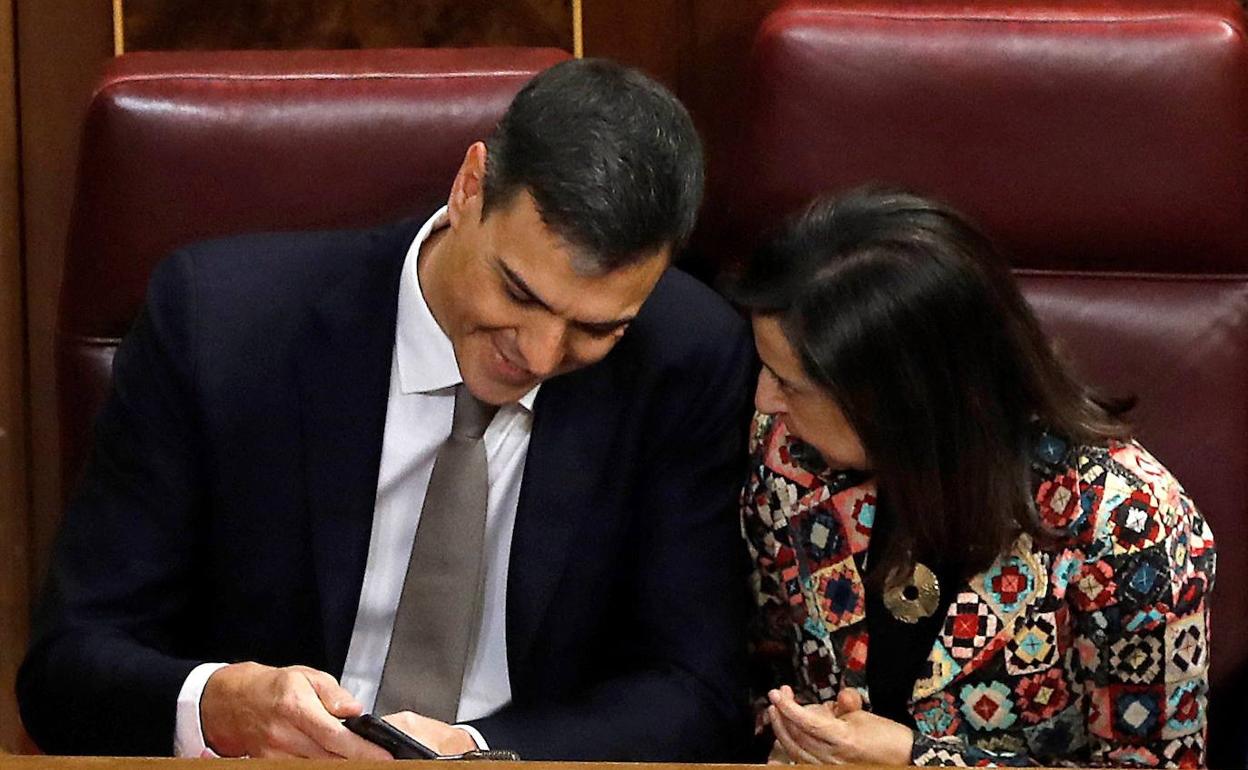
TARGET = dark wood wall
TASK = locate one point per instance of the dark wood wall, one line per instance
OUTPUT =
(50, 53)
(696, 47)
(56, 46)
(13, 490)
(154, 25)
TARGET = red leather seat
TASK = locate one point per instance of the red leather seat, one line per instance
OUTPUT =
(1102, 143)
(179, 147)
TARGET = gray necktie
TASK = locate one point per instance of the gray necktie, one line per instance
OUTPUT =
(440, 608)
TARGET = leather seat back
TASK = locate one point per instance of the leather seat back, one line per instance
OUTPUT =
(180, 147)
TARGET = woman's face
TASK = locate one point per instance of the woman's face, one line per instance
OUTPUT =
(810, 413)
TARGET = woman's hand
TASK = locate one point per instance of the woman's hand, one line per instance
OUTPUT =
(836, 733)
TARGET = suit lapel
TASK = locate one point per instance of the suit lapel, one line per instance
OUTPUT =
(344, 376)
(557, 488)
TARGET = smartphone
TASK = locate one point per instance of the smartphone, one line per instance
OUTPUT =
(403, 746)
(400, 745)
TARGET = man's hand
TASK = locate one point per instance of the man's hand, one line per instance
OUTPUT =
(252, 710)
(439, 736)
(836, 733)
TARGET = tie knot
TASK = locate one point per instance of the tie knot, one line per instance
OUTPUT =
(472, 416)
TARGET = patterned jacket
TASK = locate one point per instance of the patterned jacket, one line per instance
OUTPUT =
(1091, 652)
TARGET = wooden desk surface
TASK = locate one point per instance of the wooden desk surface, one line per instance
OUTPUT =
(164, 763)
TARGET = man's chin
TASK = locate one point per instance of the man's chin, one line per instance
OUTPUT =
(498, 393)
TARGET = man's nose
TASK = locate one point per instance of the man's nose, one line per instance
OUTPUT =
(543, 347)
(767, 397)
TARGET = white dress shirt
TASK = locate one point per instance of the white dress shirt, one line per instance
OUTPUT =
(423, 377)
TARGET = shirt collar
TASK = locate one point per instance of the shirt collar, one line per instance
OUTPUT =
(423, 352)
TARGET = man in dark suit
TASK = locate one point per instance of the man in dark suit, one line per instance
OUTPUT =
(259, 525)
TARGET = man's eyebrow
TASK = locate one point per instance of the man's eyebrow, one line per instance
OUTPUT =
(598, 327)
(519, 283)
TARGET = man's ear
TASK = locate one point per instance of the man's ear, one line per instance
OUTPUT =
(468, 189)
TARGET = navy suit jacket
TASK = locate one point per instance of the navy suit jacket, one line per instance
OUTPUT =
(226, 511)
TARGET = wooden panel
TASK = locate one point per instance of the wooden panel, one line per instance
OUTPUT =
(61, 45)
(696, 47)
(14, 502)
(714, 53)
(699, 48)
(648, 35)
(194, 24)
(712, 76)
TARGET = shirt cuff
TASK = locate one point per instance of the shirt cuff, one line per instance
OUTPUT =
(475, 735)
(188, 731)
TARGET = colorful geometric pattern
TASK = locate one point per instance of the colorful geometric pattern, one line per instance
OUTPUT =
(856, 506)
(1136, 523)
(1057, 501)
(1185, 708)
(1100, 713)
(1064, 734)
(1041, 696)
(1135, 710)
(988, 706)
(1091, 650)
(1133, 756)
(1143, 578)
(934, 754)
(1187, 652)
(1200, 537)
(842, 600)
(1066, 566)
(1136, 659)
(938, 716)
(969, 626)
(1138, 462)
(1188, 594)
(783, 461)
(1011, 583)
(1188, 751)
(1033, 646)
(937, 672)
(854, 653)
(822, 534)
(1095, 587)
(1087, 655)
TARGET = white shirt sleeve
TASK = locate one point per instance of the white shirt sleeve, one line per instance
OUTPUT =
(188, 731)
(476, 736)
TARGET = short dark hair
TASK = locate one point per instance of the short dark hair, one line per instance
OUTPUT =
(611, 158)
(910, 319)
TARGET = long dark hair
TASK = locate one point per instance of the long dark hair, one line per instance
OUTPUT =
(911, 321)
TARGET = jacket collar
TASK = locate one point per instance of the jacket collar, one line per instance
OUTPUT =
(343, 369)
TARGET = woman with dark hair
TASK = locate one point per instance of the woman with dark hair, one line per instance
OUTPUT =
(960, 555)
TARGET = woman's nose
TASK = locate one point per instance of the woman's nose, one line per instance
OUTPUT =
(767, 397)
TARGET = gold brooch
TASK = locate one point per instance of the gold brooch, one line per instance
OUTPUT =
(915, 597)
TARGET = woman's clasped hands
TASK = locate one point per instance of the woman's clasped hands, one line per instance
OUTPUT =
(834, 733)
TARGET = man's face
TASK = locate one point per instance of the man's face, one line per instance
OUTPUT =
(505, 291)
